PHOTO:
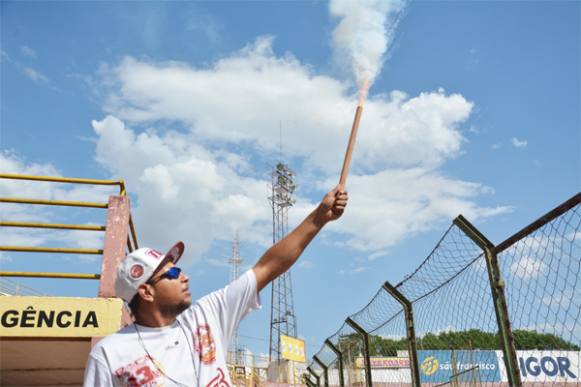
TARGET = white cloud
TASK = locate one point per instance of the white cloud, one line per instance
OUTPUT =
(391, 205)
(205, 24)
(27, 51)
(527, 268)
(474, 129)
(32, 74)
(566, 300)
(5, 257)
(244, 96)
(519, 143)
(36, 76)
(573, 236)
(496, 146)
(305, 264)
(405, 202)
(537, 244)
(353, 268)
(218, 262)
(183, 190)
(376, 255)
(189, 185)
(474, 56)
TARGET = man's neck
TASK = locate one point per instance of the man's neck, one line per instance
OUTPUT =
(154, 319)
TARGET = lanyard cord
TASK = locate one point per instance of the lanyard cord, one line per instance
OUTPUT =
(155, 363)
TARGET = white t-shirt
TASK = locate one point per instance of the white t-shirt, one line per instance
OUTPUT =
(164, 356)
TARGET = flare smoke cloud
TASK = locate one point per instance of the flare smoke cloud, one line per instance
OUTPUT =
(364, 34)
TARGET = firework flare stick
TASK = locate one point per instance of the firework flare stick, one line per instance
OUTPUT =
(350, 146)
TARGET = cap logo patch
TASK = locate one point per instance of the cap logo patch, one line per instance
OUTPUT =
(136, 271)
(153, 253)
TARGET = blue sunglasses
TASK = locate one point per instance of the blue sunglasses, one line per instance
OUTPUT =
(171, 273)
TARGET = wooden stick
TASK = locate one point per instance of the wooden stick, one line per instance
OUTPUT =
(350, 146)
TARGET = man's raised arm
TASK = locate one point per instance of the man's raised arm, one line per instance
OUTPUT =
(280, 257)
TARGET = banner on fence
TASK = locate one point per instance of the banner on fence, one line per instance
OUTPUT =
(441, 366)
(545, 366)
(384, 362)
(438, 366)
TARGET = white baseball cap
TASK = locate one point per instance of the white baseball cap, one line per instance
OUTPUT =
(139, 266)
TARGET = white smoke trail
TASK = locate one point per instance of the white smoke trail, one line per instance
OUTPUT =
(364, 34)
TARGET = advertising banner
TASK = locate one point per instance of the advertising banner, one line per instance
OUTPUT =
(59, 316)
(545, 366)
(292, 349)
(384, 362)
(438, 366)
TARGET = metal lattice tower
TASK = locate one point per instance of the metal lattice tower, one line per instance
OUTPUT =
(282, 313)
(235, 262)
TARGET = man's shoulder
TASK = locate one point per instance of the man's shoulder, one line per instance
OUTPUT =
(225, 295)
(115, 338)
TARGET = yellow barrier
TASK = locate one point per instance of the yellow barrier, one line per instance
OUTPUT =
(54, 226)
(73, 180)
(54, 202)
(64, 250)
(48, 275)
(122, 192)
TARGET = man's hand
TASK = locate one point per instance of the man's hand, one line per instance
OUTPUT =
(280, 257)
(332, 206)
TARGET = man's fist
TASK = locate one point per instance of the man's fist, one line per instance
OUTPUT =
(332, 206)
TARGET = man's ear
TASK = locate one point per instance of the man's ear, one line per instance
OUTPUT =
(146, 292)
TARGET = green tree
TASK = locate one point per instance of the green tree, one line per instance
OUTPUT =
(470, 339)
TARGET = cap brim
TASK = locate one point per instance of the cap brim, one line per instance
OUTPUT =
(173, 255)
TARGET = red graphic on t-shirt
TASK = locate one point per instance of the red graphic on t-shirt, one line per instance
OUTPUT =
(138, 373)
(219, 380)
(204, 344)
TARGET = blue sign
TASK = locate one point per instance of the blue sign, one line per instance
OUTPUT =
(437, 366)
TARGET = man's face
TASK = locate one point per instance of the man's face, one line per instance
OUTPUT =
(172, 296)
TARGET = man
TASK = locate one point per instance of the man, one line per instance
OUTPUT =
(175, 343)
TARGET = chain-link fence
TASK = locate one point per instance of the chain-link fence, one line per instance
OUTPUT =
(472, 314)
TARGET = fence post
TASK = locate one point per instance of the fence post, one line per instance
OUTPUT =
(315, 375)
(367, 360)
(497, 289)
(324, 367)
(340, 358)
(410, 331)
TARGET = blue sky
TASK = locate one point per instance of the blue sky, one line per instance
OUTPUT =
(475, 111)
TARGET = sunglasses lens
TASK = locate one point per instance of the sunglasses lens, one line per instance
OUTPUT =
(173, 272)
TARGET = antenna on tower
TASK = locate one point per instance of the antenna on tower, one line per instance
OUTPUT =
(280, 132)
(235, 263)
(235, 260)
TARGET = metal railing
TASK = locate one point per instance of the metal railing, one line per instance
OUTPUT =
(13, 288)
(472, 314)
(131, 239)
